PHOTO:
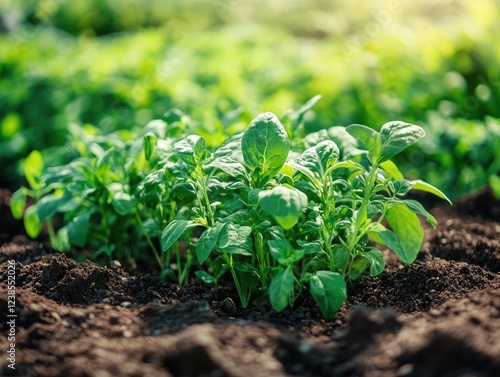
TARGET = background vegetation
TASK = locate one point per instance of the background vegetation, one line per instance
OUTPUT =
(114, 65)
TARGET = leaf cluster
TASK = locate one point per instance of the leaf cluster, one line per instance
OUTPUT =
(280, 214)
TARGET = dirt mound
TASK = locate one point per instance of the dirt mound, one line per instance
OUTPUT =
(437, 317)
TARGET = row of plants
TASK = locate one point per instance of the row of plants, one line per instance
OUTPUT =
(51, 78)
(278, 212)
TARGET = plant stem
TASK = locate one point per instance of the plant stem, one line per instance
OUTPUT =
(361, 215)
(229, 260)
(148, 239)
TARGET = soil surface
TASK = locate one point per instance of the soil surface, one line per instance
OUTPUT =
(437, 317)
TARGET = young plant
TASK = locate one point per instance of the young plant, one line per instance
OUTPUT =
(280, 215)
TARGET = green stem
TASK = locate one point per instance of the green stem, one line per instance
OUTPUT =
(259, 246)
(148, 239)
(229, 261)
(361, 216)
(183, 273)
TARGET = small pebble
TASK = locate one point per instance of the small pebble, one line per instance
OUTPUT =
(228, 306)
(405, 369)
(113, 319)
(127, 334)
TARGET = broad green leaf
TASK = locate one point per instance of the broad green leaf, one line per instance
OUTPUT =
(384, 236)
(302, 169)
(340, 255)
(191, 150)
(155, 127)
(205, 277)
(283, 252)
(17, 204)
(236, 239)
(427, 187)
(78, 229)
(402, 186)
(417, 208)
(392, 170)
(123, 203)
(33, 167)
(149, 143)
(60, 242)
(153, 180)
(265, 146)
(319, 157)
(347, 144)
(49, 204)
(106, 165)
(285, 204)
(32, 223)
(231, 148)
(173, 231)
(370, 139)
(329, 291)
(281, 289)
(228, 166)
(407, 227)
(346, 165)
(207, 241)
(397, 136)
(357, 268)
(377, 262)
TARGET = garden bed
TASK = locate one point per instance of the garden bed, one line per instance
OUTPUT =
(436, 317)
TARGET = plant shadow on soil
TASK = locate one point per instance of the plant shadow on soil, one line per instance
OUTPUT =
(437, 317)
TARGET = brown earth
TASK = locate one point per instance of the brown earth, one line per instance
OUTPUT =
(438, 317)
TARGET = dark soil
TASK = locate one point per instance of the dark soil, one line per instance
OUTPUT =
(438, 317)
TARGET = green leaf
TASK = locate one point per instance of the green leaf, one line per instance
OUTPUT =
(207, 241)
(319, 157)
(17, 204)
(392, 170)
(329, 291)
(236, 239)
(32, 223)
(302, 169)
(417, 208)
(265, 146)
(494, 181)
(60, 242)
(357, 268)
(153, 180)
(370, 139)
(377, 262)
(384, 236)
(427, 187)
(297, 116)
(397, 136)
(407, 227)
(104, 167)
(149, 143)
(281, 289)
(49, 204)
(123, 203)
(191, 150)
(78, 229)
(33, 167)
(173, 231)
(228, 166)
(205, 277)
(285, 204)
(283, 252)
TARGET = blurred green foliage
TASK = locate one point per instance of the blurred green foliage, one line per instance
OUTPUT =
(117, 64)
